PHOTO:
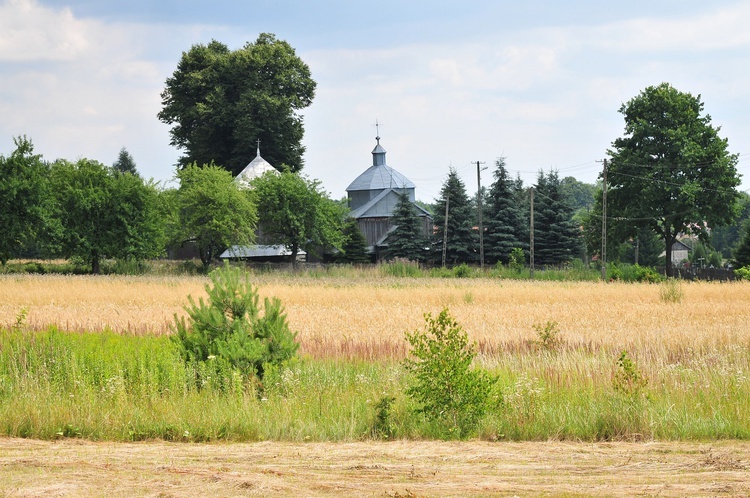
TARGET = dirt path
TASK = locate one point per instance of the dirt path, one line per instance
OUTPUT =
(390, 469)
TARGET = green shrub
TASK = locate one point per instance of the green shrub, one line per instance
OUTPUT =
(462, 271)
(743, 273)
(628, 379)
(400, 267)
(442, 381)
(230, 328)
(517, 259)
(548, 336)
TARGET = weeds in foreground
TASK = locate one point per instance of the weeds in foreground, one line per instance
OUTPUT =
(670, 291)
(548, 336)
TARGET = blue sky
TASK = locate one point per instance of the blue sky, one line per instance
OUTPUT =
(538, 82)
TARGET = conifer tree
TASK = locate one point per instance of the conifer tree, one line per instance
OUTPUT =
(407, 239)
(556, 236)
(504, 218)
(462, 243)
(741, 251)
(354, 248)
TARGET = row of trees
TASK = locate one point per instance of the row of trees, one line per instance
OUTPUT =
(506, 221)
(90, 211)
(670, 175)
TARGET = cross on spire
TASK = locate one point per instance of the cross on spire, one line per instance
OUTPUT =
(258, 149)
(377, 130)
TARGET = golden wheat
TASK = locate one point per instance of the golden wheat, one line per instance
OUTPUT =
(348, 317)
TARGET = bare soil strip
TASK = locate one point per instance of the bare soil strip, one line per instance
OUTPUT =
(373, 469)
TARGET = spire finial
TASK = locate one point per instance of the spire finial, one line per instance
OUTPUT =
(257, 154)
(377, 130)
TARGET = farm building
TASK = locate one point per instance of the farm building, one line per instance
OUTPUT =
(373, 196)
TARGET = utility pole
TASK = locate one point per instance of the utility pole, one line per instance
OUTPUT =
(479, 208)
(531, 237)
(445, 228)
(604, 221)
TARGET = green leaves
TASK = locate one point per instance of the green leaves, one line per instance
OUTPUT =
(213, 212)
(448, 390)
(671, 172)
(296, 213)
(219, 102)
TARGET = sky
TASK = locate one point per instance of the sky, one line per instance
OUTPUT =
(449, 82)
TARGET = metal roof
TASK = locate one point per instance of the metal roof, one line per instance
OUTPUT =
(258, 251)
(257, 167)
(379, 176)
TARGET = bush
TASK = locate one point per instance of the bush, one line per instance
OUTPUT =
(442, 381)
(743, 273)
(462, 271)
(230, 328)
(400, 267)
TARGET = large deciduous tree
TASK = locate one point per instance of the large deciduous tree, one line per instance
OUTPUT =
(462, 241)
(213, 212)
(407, 240)
(505, 219)
(671, 171)
(219, 102)
(23, 198)
(102, 214)
(295, 212)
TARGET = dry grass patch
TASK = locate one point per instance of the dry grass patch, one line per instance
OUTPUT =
(399, 468)
(366, 318)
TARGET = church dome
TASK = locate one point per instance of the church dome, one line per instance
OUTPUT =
(379, 176)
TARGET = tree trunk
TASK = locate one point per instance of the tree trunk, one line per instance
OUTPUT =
(95, 264)
(295, 250)
(669, 240)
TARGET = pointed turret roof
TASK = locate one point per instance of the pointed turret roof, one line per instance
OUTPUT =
(257, 167)
(379, 176)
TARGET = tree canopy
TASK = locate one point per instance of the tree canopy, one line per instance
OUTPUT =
(213, 212)
(100, 214)
(219, 102)
(354, 247)
(23, 197)
(296, 213)
(671, 171)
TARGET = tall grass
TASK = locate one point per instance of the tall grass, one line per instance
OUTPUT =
(104, 386)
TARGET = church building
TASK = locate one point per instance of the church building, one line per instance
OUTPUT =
(373, 196)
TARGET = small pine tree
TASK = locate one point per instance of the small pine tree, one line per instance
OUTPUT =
(407, 239)
(463, 242)
(231, 327)
(354, 248)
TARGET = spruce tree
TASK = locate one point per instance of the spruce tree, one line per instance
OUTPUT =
(407, 239)
(125, 163)
(354, 248)
(504, 219)
(556, 236)
(462, 244)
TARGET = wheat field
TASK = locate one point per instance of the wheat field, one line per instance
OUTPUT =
(367, 317)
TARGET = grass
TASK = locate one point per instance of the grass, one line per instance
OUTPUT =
(90, 357)
(104, 386)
